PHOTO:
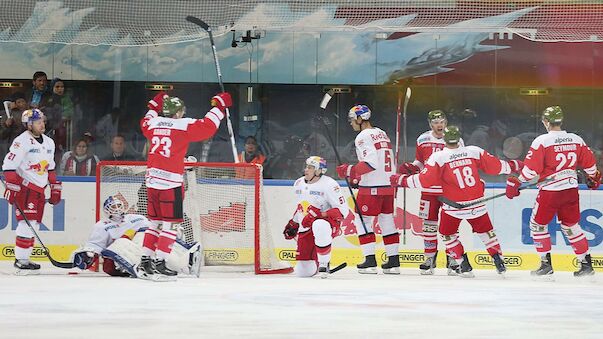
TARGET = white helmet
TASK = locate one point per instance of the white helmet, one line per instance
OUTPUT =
(361, 111)
(31, 115)
(319, 164)
(115, 207)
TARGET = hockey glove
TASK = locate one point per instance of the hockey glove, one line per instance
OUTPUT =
(398, 180)
(516, 166)
(593, 182)
(408, 168)
(513, 185)
(156, 104)
(313, 214)
(13, 186)
(83, 260)
(291, 229)
(334, 217)
(343, 170)
(55, 193)
(221, 101)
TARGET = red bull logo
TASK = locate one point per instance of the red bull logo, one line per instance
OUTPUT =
(40, 168)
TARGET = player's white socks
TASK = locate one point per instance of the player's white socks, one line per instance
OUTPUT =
(490, 240)
(391, 237)
(24, 241)
(149, 243)
(322, 239)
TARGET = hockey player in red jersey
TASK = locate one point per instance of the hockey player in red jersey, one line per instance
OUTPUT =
(455, 168)
(375, 195)
(29, 167)
(169, 134)
(555, 156)
(429, 205)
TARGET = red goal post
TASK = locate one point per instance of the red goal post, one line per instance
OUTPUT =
(223, 206)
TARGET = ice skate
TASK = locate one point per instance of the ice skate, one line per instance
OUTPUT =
(144, 270)
(26, 267)
(499, 264)
(452, 266)
(392, 266)
(545, 271)
(586, 267)
(465, 269)
(428, 266)
(323, 272)
(369, 266)
(161, 272)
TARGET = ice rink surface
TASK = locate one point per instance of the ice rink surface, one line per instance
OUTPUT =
(346, 305)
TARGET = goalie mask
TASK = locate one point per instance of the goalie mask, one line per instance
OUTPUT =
(361, 111)
(319, 164)
(452, 135)
(173, 107)
(115, 208)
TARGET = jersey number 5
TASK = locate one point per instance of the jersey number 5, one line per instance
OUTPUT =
(464, 177)
(164, 142)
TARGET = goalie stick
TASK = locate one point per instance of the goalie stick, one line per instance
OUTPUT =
(206, 28)
(323, 105)
(482, 200)
(44, 248)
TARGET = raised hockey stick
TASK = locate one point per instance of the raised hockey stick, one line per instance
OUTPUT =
(405, 145)
(44, 248)
(483, 200)
(7, 109)
(206, 27)
(323, 105)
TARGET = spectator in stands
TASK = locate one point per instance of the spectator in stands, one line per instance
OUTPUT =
(251, 155)
(11, 127)
(79, 162)
(118, 150)
(59, 111)
(108, 126)
(39, 95)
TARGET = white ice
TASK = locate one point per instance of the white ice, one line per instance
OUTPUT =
(346, 305)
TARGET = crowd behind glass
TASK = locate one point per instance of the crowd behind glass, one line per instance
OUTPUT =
(282, 124)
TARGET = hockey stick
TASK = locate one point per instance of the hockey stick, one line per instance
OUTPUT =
(323, 105)
(7, 109)
(405, 145)
(338, 268)
(206, 28)
(44, 248)
(482, 200)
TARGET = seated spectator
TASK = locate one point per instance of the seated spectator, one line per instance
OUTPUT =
(118, 150)
(79, 162)
(251, 155)
(108, 125)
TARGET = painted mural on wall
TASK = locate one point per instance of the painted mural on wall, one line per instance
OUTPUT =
(276, 57)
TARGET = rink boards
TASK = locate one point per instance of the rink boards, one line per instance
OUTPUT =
(67, 225)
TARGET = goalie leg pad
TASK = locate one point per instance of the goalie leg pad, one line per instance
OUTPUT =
(185, 258)
(125, 254)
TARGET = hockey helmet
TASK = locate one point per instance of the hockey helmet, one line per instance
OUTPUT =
(361, 111)
(319, 164)
(31, 115)
(553, 115)
(436, 114)
(172, 106)
(452, 135)
(115, 207)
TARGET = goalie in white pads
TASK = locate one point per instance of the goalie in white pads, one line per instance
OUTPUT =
(118, 240)
(317, 218)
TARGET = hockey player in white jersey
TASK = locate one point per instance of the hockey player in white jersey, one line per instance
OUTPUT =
(118, 240)
(375, 195)
(28, 168)
(317, 218)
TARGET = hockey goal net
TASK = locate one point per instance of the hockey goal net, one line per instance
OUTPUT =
(223, 207)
